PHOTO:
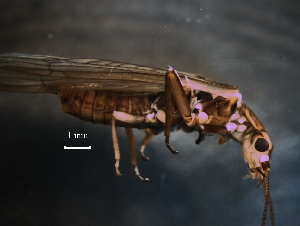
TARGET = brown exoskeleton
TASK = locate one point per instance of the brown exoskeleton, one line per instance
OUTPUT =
(134, 96)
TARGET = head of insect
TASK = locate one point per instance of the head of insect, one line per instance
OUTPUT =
(257, 148)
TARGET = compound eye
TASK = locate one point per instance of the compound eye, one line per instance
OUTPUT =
(261, 145)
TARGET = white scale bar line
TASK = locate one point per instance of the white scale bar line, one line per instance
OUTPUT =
(89, 147)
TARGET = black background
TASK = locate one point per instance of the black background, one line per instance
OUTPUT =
(251, 44)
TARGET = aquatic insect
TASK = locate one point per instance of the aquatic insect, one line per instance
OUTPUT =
(152, 99)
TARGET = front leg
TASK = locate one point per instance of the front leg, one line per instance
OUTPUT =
(173, 83)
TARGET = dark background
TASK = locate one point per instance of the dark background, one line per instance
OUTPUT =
(252, 44)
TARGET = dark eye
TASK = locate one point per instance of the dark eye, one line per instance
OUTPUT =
(261, 145)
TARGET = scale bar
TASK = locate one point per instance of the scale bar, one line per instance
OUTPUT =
(89, 147)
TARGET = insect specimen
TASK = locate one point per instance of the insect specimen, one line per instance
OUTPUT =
(152, 99)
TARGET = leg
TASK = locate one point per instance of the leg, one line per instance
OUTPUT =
(149, 134)
(134, 163)
(115, 144)
(173, 83)
(145, 141)
(200, 137)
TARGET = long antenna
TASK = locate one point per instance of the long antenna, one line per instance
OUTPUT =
(266, 194)
(268, 201)
(272, 218)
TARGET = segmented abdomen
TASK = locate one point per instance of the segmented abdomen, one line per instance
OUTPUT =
(97, 107)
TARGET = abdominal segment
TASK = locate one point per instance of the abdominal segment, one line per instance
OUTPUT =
(97, 106)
